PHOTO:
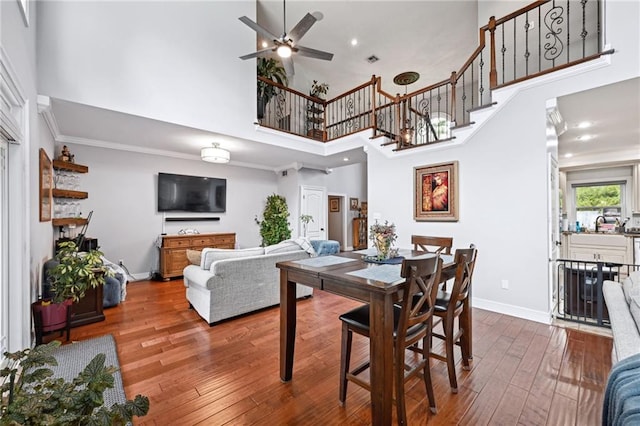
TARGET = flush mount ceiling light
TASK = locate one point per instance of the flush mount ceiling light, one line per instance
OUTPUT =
(215, 154)
(584, 138)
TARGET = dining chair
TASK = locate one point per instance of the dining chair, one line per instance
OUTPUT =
(432, 244)
(412, 322)
(451, 305)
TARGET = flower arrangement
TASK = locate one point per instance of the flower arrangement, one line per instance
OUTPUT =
(383, 237)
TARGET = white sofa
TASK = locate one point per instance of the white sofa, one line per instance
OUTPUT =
(228, 282)
(623, 303)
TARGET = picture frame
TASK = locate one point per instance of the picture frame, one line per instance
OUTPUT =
(436, 192)
(45, 185)
(364, 208)
(353, 203)
(334, 205)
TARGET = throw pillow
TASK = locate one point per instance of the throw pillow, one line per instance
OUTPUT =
(282, 247)
(194, 256)
(631, 286)
(210, 255)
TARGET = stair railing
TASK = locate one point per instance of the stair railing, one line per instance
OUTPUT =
(545, 36)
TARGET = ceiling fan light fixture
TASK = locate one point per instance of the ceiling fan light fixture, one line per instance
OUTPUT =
(215, 154)
(284, 51)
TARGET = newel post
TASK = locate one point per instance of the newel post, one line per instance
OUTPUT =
(493, 73)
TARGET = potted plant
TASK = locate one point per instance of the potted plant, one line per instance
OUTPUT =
(69, 280)
(272, 70)
(274, 227)
(34, 397)
(305, 219)
(319, 90)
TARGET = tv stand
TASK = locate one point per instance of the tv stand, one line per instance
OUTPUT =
(173, 250)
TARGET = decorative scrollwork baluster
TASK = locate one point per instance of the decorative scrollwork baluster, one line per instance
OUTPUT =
(552, 20)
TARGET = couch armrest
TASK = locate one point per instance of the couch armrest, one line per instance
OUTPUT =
(626, 336)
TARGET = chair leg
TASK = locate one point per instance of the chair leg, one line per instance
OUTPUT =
(451, 366)
(345, 359)
(465, 344)
(398, 369)
(427, 373)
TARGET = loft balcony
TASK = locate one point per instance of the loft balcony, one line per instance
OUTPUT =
(538, 39)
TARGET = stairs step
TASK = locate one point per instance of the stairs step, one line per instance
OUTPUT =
(481, 107)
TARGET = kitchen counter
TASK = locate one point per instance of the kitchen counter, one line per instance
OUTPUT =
(624, 234)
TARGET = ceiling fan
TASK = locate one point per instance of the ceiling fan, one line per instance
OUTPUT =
(287, 44)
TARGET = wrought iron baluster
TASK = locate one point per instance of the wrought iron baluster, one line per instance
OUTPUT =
(584, 31)
(568, 33)
(553, 18)
(539, 39)
(481, 87)
(515, 49)
(503, 50)
(526, 44)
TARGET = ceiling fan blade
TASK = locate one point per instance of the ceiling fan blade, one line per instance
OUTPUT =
(257, 28)
(301, 28)
(258, 54)
(313, 53)
(287, 63)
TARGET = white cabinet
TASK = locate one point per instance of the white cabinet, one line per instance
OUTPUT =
(600, 248)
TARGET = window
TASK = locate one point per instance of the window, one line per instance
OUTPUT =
(601, 199)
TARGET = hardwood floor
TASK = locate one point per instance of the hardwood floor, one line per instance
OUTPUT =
(522, 373)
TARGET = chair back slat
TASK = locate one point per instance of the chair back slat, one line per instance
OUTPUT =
(418, 298)
(466, 261)
(440, 245)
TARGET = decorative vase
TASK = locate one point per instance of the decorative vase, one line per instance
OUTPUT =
(383, 246)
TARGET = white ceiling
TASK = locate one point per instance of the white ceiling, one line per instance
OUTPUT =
(402, 43)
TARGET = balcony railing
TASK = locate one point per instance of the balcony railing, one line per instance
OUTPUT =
(538, 39)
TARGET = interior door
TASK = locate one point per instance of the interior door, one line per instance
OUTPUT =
(553, 221)
(4, 250)
(314, 203)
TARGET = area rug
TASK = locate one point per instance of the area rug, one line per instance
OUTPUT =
(73, 358)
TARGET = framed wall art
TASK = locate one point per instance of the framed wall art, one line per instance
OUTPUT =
(436, 192)
(46, 184)
(353, 203)
(334, 205)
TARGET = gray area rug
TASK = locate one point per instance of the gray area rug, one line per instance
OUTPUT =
(73, 358)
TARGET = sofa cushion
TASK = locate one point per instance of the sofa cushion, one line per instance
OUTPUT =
(631, 286)
(634, 307)
(194, 256)
(282, 247)
(210, 255)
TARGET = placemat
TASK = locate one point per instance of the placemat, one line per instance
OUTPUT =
(383, 273)
(324, 261)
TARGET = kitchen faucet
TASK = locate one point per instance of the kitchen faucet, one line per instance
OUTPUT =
(598, 223)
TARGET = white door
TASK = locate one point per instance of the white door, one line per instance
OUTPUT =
(553, 221)
(314, 203)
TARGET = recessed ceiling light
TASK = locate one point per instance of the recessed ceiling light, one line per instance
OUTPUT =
(584, 138)
(584, 124)
(568, 155)
(345, 159)
(354, 41)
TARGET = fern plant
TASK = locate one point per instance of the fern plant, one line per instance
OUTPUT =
(34, 397)
(274, 226)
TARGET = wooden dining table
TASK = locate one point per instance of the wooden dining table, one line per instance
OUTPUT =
(347, 274)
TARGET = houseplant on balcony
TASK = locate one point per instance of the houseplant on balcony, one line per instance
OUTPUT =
(34, 397)
(274, 226)
(69, 280)
(272, 70)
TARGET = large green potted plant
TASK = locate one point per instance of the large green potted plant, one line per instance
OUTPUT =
(270, 69)
(75, 273)
(274, 227)
(34, 397)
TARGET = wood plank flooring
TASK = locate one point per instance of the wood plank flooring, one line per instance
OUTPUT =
(522, 372)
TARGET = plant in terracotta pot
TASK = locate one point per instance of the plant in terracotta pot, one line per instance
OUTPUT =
(274, 71)
(319, 90)
(35, 397)
(274, 227)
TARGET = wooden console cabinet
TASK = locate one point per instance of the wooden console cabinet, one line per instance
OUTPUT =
(173, 251)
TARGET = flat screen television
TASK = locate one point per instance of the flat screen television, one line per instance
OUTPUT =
(191, 193)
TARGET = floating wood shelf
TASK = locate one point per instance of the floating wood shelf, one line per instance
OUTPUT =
(66, 221)
(72, 167)
(67, 193)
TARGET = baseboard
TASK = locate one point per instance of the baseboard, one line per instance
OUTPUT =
(515, 311)
(141, 276)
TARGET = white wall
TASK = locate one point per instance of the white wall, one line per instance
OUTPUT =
(122, 191)
(503, 197)
(30, 240)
